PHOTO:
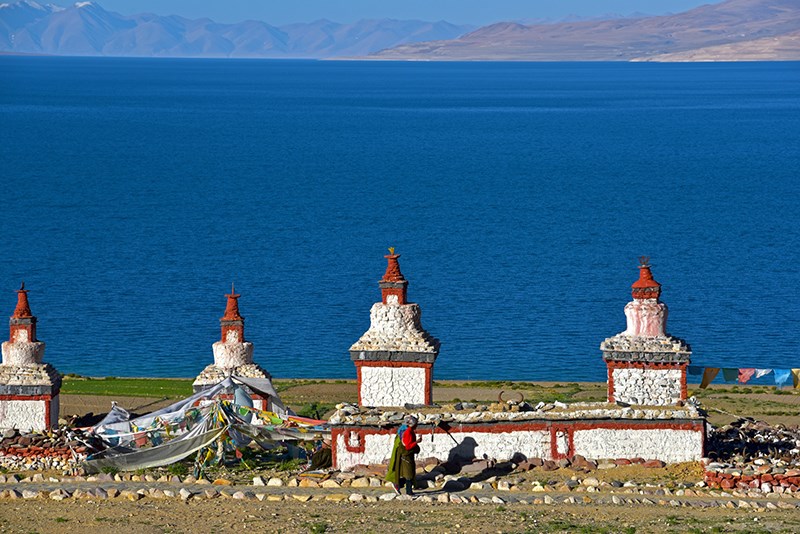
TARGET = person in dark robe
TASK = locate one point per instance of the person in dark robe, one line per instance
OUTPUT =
(402, 470)
(322, 457)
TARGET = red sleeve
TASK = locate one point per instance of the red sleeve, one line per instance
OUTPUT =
(409, 439)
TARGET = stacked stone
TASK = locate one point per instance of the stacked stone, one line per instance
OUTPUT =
(646, 366)
(233, 356)
(351, 415)
(29, 388)
(764, 478)
(60, 448)
(394, 358)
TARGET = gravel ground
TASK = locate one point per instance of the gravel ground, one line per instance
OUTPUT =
(229, 515)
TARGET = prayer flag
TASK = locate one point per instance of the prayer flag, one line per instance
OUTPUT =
(695, 370)
(708, 375)
(745, 375)
(762, 372)
(782, 376)
(730, 375)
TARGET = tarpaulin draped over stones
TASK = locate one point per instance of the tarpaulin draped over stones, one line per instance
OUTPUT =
(173, 433)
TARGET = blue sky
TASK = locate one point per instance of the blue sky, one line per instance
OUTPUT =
(458, 11)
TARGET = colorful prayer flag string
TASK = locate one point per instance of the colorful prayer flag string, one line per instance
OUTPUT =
(743, 375)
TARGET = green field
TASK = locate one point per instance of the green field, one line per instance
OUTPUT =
(129, 387)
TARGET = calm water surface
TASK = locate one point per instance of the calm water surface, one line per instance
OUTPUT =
(519, 194)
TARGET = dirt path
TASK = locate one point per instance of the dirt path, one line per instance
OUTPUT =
(84, 404)
(317, 516)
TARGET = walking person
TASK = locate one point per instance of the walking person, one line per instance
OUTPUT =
(402, 470)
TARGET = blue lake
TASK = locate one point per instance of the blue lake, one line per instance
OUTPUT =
(519, 195)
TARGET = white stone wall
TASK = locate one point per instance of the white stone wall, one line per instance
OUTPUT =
(392, 386)
(653, 387)
(396, 328)
(377, 451)
(227, 355)
(22, 352)
(669, 446)
(24, 414)
(499, 446)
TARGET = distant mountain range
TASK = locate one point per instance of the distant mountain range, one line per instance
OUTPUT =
(86, 29)
(727, 31)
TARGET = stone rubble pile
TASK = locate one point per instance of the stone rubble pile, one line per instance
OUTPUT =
(749, 454)
(61, 449)
(351, 414)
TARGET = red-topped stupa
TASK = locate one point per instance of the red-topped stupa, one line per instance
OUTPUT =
(233, 355)
(29, 388)
(646, 366)
(394, 358)
(645, 287)
(232, 323)
(394, 287)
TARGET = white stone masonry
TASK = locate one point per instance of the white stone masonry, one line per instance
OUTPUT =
(23, 352)
(29, 415)
(496, 445)
(396, 328)
(667, 445)
(392, 386)
(653, 387)
(232, 353)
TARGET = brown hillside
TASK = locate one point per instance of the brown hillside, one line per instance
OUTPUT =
(745, 23)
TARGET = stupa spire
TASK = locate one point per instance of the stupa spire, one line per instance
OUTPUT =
(22, 324)
(23, 309)
(645, 287)
(232, 322)
(394, 287)
(232, 307)
(392, 273)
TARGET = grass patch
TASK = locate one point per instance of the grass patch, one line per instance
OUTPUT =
(532, 391)
(179, 469)
(127, 387)
(318, 528)
(289, 465)
(316, 410)
(284, 384)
